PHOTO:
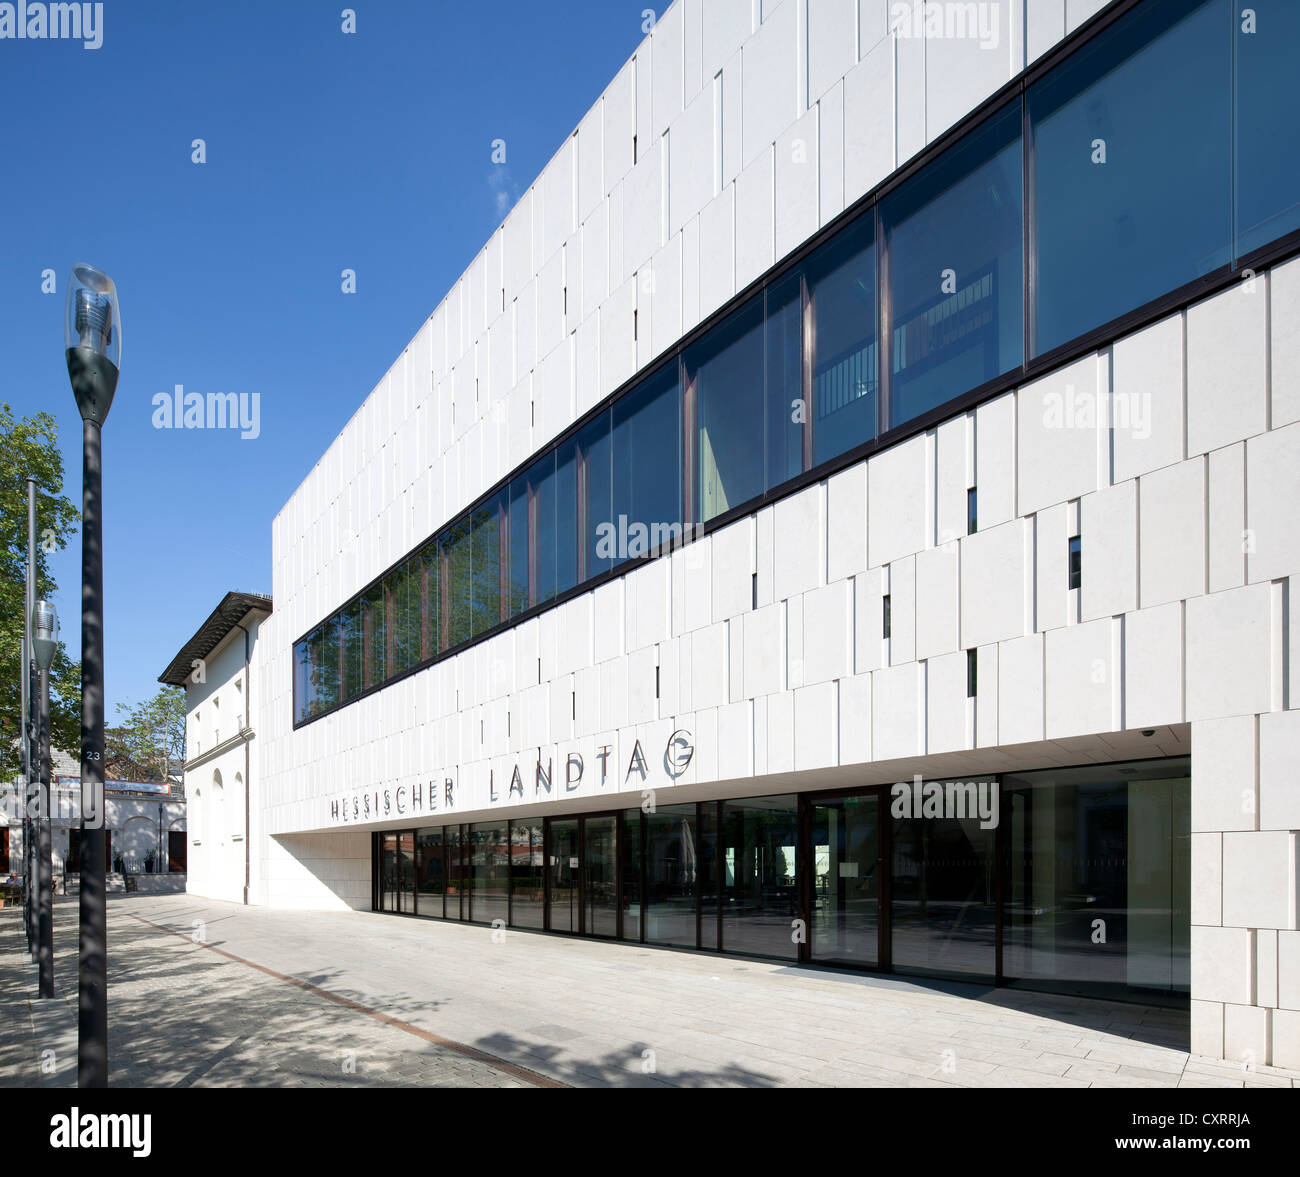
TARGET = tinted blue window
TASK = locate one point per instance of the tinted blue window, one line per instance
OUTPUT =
(956, 270)
(1267, 129)
(568, 532)
(457, 595)
(374, 629)
(541, 486)
(593, 493)
(841, 280)
(1149, 97)
(350, 642)
(325, 665)
(647, 465)
(301, 680)
(486, 577)
(520, 558)
(724, 379)
(785, 412)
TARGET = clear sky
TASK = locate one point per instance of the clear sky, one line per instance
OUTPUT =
(325, 151)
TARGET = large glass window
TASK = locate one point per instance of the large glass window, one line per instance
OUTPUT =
(592, 494)
(302, 688)
(841, 280)
(955, 275)
(458, 596)
(489, 853)
(1267, 164)
(350, 647)
(785, 410)
(1099, 878)
(486, 567)
(630, 833)
(402, 585)
(600, 875)
(430, 870)
(724, 383)
(647, 467)
(520, 572)
(325, 665)
(672, 875)
(761, 895)
(374, 629)
(943, 900)
(565, 875)
(1131, 167)
(846, 861)
(527, 875)
(567, 518)
(431, 634)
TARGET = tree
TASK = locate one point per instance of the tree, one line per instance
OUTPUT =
(152, 734)
(29, 445)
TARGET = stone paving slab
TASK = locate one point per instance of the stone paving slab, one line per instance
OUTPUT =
(205, 993)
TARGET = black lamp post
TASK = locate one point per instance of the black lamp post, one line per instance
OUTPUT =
(93, 341)
(45, 639)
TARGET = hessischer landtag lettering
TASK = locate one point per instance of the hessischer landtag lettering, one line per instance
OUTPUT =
(423, 798)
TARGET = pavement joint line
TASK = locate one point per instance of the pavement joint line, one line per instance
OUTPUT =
(513, 1069)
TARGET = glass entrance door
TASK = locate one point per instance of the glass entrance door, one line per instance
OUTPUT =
(847, 867)
(563, 909)
(406, 871)
(600, 875)
(388, 872)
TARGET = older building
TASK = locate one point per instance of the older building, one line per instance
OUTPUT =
(214, 667)
(844, 514)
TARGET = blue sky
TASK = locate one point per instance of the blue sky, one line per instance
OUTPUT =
(325, 151)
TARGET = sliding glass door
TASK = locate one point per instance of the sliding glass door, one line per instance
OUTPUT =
(847, 871)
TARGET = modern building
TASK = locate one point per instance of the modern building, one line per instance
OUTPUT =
(844, 514)
(215, 669)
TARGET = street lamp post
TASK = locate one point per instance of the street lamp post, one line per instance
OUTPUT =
(45, 629)
(29, 725)
(93, 343)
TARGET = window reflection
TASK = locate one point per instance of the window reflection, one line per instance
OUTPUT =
(956, 270)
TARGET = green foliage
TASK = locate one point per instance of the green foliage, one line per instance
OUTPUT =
(152, 733)
(29, 445)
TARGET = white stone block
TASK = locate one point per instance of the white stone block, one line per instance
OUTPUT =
(1227, 358)
(769, 83)
(717, 252)
(896, 712)
(1173, 533)
(1246, 1037)
(995, 460)
(832, 44)
(1080, 679)
(993, 585)
(1272, 492)
(846, 522)
(692, 162)
(1206, 1017)
(1207, 879)
(1259, 879)
(1229, 657)
(1279, 771)
(1020, 690)
(947, 728)
(830, 144)
(971, 58)
(815, 715)
(1147, 402)
(1224, 774)
(1223, 965)
(754, 220)
(667, 64)
(897, 498)
(799, 536)
(1153, 666)
(763, 651)
(1057, 434)
(1108, 533)
(827, 642)
(780, 732)
(1284, 357)
(937, 612)
(1227, 518)
(869, 121)
(796, 163)
(855, 719)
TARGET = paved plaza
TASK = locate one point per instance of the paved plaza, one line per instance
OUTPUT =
(205, 993)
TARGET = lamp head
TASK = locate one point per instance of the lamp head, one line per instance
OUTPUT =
(92, 336)
(45, 633)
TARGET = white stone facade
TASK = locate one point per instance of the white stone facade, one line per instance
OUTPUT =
(756, 123)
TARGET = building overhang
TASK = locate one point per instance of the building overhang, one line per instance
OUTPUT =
(234, 607)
